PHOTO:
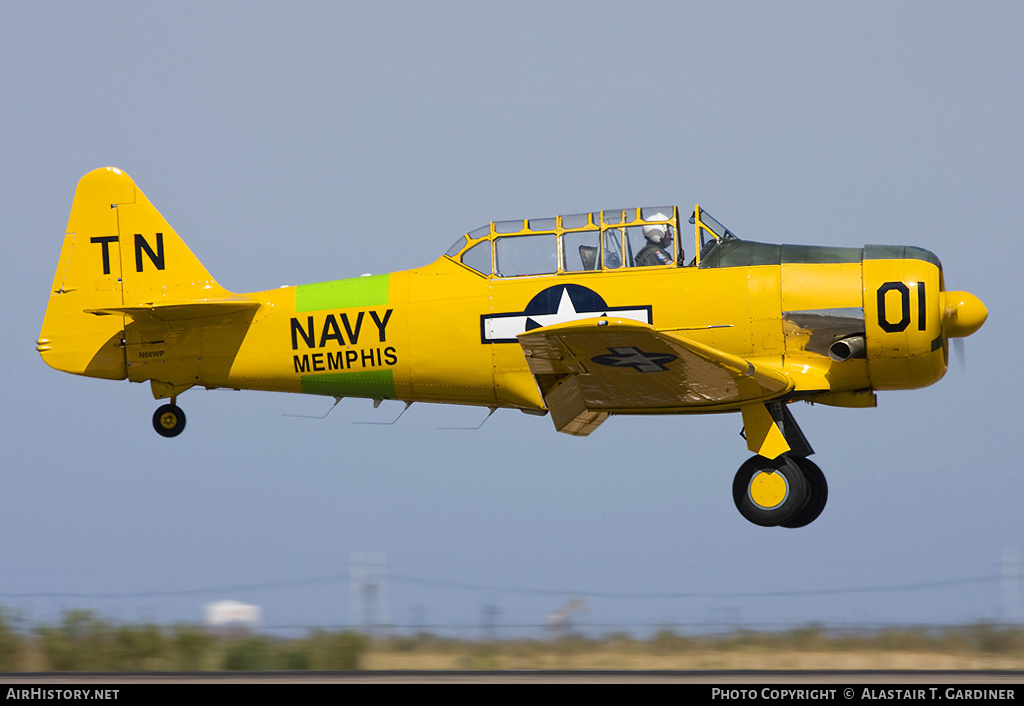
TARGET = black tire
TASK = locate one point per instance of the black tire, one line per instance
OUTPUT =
(169, 420)
(779, 486)
(817, 495)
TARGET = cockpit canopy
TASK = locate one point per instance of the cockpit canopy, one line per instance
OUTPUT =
(586, 242)
(709, 232)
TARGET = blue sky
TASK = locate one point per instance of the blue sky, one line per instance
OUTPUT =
(290, 145)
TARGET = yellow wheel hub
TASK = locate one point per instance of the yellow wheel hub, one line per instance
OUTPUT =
(768, 490)
(168, 420)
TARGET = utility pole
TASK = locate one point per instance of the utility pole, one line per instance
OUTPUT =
(368, 586)
(1011, 579)
(489, 615)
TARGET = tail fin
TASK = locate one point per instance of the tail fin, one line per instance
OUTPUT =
(120, 257)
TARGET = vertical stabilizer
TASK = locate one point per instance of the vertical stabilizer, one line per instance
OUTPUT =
(118, 253)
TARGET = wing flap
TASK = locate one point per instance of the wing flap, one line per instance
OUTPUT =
(569, 410)
(621, 365)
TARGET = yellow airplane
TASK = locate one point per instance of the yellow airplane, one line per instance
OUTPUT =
(580, 317)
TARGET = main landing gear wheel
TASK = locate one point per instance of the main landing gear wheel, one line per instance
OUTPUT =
(817, 494)
(770, 492)
(168, 420)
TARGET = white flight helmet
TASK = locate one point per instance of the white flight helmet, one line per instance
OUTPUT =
(657, 233)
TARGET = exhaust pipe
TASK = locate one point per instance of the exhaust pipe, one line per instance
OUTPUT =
(846, 348)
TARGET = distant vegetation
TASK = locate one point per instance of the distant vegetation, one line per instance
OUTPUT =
(85, 641)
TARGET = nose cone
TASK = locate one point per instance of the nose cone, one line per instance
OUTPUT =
(962, 314)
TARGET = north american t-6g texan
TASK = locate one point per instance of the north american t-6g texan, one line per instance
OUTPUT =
(581, 317)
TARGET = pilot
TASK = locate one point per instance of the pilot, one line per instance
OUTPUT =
(659, 241)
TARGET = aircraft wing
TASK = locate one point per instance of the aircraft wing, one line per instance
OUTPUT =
(588, 369)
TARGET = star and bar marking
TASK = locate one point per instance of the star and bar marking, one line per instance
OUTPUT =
(633, 357)
(555, 305)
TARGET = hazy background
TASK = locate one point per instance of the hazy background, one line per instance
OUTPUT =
(323, 140)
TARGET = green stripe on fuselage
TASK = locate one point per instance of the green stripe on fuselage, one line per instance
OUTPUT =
(342, 293)
(371, 383)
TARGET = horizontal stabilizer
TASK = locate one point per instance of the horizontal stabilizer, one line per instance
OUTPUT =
(181, 310)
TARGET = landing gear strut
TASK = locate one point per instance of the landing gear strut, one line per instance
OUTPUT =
(787, 491)
(168, 419)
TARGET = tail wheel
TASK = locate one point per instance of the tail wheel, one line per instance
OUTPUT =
(770, 492)
(817, 494)
(169, 420)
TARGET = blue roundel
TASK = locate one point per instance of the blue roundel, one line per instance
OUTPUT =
(583, 299)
